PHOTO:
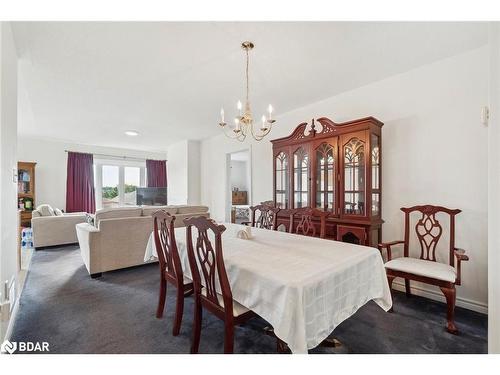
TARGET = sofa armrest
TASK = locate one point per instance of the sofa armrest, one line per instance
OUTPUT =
(89, 241)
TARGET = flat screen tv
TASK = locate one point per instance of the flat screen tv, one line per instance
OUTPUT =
(152, 196)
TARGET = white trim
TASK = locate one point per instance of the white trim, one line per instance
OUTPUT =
(437, 296)
(13, 315)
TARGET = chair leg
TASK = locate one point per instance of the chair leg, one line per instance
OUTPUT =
(161, 300)
(179, 310)
(195, 344)
(407, 288)
(228, 338)
(390, 279)
(450, 294)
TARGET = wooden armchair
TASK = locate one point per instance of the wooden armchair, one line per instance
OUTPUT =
(211, 285)
(301, 222)
(425, 268)
(263, 216)
(170, 266)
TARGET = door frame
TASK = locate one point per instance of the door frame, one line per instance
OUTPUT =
(228, 196)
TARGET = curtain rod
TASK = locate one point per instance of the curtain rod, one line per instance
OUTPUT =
(112, 156)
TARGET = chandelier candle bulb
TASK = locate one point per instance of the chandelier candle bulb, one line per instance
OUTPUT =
(240, 106)
(222, 114)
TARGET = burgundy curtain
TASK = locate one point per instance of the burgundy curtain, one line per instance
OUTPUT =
(157, 173)
(80, 195)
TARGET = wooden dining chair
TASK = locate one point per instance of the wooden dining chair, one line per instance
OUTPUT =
(425, 268)
(211, 285)
(263, 216)
(170, 266)
(302, 222)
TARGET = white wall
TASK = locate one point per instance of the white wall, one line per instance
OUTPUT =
(183, 168)
(434, 151)
(493, 194)
(194, 170)
(51, 166)
(8, 160)
(239, 175)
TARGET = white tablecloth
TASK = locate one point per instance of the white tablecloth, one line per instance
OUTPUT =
(303, 286)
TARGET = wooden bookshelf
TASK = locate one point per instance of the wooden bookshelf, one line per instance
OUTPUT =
(26, 190)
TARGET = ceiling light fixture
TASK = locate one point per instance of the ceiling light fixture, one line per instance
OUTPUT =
(243, 123)
(131, 133)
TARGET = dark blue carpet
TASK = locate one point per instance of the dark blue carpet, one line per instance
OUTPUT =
(62, 305)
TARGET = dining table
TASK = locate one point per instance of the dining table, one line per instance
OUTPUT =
(303, 286)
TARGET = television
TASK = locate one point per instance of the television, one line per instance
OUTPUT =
(152, 196)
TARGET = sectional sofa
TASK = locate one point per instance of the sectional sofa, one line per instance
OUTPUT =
(118, 236)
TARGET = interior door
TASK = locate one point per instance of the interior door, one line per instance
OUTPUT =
(325, 191)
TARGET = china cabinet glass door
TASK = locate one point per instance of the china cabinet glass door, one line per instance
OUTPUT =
(281, 176)
(354, 177)
(300, 178)
(325, 177)
(375, 161)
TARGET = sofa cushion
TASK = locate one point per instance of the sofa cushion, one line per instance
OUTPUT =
(58, 212)
(149, 210)
(90, 219)
(117, 212)
(191, 209)
(35, 213)
(45, 210)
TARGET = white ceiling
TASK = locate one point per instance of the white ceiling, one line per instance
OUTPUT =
(89, 82)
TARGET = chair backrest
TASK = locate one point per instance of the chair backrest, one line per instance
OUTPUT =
(429, 230)
(301, 222)
(166, 246)
(267, 216)
(207, 265)
(268, 203)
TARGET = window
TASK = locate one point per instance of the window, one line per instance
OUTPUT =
(116, 182)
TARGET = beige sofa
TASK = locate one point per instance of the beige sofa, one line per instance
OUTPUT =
(53, 230)
(119, 236)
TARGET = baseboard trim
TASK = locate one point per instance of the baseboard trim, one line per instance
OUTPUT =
(10, 326)
(437, 296)
(13, 315)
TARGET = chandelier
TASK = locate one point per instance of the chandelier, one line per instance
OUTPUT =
(243, 123)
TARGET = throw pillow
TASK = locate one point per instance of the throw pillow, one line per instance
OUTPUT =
(89, 218)
(58, 212)
(45, 210)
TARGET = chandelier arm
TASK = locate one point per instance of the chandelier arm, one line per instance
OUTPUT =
(231, 136)
(259, 137)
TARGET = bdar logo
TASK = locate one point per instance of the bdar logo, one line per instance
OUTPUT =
(8, 347)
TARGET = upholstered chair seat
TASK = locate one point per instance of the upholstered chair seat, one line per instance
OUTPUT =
(238, 308)
(421, 267)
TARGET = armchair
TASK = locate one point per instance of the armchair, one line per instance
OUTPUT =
(425, 268)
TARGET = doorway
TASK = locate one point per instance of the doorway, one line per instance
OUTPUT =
(238, 186)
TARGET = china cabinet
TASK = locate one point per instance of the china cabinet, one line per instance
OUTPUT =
(335, 168)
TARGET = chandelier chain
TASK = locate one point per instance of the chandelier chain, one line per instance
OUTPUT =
(247, 74)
